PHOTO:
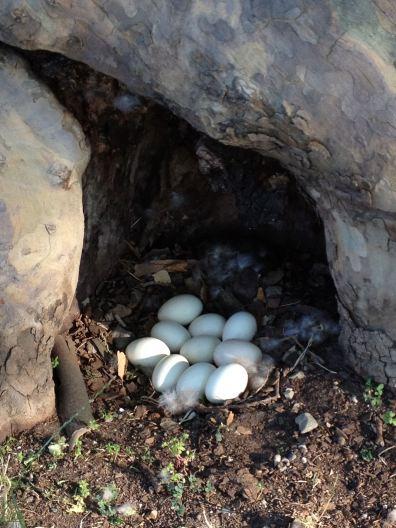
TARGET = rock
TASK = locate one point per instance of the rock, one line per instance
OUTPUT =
(306, 423)
(297, 524)
(153, 515)
(277, 459)
(390, 521)
(289, 393)
(43, 154)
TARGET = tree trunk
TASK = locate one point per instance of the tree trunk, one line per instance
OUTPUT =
(311, 84)
(42, 156)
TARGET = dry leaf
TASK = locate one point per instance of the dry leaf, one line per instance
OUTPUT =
(230, 418)
(162, 277)
(260, 296)
(149, 268)
(121, 364)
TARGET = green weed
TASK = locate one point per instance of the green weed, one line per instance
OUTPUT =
(389, 417)
(373, 393)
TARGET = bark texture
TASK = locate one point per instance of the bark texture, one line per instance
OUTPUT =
(310, 83)
(42, 157)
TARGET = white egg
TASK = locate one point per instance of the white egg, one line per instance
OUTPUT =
(182, 309)
(168, 371)
(200, 348)
(241, 325)
(145, 353)
(207, 324)
(171, 333)
(237, 351)
(191, 384)
(226, 383)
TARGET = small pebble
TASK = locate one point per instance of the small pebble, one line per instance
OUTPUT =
(297, 524)
(304, 460)
(291, 456)
(153, 515)
(289, 393)
(277, 459)
(390, 521)
(303, 447)
(354, 399)
(306, 423)
(296, 407)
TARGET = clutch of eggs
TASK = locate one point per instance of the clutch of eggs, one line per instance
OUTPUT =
(211, 357)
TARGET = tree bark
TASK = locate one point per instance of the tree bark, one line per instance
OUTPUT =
(42, 156)
(310, 83)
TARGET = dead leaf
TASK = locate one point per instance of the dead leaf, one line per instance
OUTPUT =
(162, 277)
(149, 268)
(260, 296)
(242, 430)
(230, 418)
(140, 411)
(121, 364)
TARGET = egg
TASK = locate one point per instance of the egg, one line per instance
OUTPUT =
(181, 309)
(208, 324)
(171, 333)
(241, 325)
(200, 348)
(237, 351)
(145, 353)
(191, 384)
(226, 383)
(167, 372)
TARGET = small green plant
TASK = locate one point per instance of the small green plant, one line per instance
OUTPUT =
(9, 510)
(147, 457)
(129, 452)
(94, 425)
(57, 449)
(208, 488)
(367, 454)
(113, 450)
(107, 416)
(78, 449)
(7, 446)
(373, 393)
(219, 432)
(175, 484)
(106, 505)
(194, 483)
(389, 417)
(81, 493)
(176, 445)
(55, 362)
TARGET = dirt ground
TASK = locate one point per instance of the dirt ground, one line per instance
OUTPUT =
(240, 466)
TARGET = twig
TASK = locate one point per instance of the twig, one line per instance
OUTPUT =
(208, 524)
(302, 355)
(387, 449)
(379, 428)
(315, 359)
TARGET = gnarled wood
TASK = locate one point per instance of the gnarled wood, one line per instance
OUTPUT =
(43, 154)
